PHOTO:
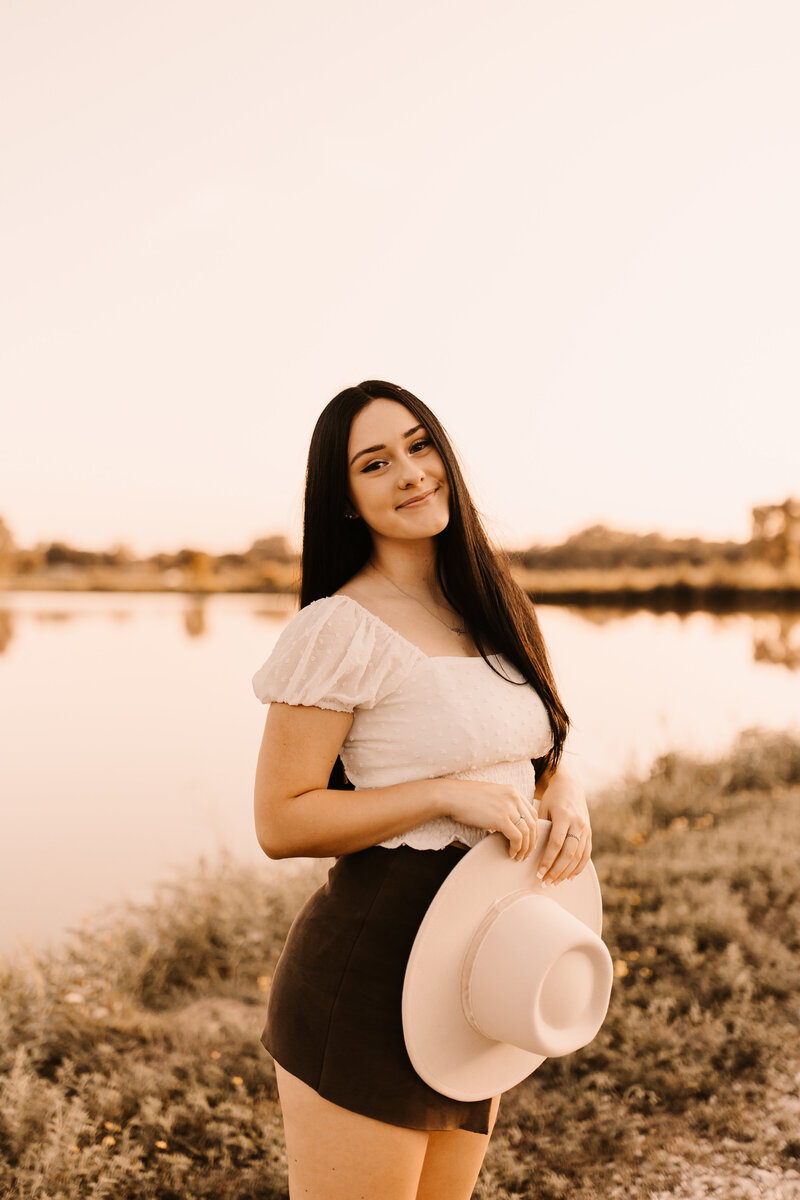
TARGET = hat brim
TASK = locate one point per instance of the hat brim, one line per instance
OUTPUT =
(445, 1050)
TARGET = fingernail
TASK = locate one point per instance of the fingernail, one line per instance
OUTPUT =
(540, 873)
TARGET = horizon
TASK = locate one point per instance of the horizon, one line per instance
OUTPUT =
(295, 546)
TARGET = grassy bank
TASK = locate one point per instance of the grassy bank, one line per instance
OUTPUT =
(130, 1065)
(716, 587)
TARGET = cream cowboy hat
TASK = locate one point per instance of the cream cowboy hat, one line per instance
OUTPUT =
(504, 972)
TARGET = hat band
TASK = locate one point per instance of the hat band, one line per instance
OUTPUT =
(535, 976)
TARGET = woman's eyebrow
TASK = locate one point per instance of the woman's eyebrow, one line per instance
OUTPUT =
(372, 449)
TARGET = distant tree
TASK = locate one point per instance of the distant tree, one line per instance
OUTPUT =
(27, 562)
(196, 567)
(162, 561)
(7, 547)
(776, 531)
(58, 554)
(271, 549)
(602, 548)
(119, 555)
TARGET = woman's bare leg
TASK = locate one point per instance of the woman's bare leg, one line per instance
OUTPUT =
(453, 1161)
(335, 1154)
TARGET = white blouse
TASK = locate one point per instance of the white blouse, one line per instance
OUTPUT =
(414, 716)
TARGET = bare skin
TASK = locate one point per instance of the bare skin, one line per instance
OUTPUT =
(334, 1153)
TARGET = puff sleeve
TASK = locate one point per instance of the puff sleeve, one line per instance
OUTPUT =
(334, 654)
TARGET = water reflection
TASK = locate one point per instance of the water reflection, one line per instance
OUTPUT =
(277, 605)
(609, 614)
(161, 714)
(597, 616)
(776, 639)
(6, 629)
(194, 617)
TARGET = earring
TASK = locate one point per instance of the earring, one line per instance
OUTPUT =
(351, 516)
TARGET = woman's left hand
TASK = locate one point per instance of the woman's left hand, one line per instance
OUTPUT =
(569, 846)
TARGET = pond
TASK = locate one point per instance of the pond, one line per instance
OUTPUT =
(130, 731)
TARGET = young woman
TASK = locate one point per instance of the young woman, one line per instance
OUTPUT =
(412, 710)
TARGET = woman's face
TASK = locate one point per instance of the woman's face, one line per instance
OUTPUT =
(398, 484)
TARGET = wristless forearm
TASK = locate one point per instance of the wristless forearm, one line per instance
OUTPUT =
(323, 822)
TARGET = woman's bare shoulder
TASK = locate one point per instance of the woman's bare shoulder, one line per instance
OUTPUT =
(361, 589)
(358, 587)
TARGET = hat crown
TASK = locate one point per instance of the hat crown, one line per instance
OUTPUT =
(535, 976)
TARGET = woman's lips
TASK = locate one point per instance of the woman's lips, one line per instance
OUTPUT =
(418, 499)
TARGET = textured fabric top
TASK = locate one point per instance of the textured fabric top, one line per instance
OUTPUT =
(414, 716)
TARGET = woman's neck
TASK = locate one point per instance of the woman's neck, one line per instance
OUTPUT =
(411, 564)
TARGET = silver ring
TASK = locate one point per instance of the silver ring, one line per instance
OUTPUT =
(521, 817)
(575, 835)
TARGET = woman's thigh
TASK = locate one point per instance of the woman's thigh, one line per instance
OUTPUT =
(453, 1161)
(335, 1154)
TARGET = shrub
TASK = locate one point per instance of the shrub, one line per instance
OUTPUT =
(130, 1063)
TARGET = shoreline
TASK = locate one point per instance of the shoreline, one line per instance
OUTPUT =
(693, 589)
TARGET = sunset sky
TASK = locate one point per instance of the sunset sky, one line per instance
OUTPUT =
(570, 227)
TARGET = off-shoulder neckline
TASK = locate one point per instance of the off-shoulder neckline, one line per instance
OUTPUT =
(413, 645)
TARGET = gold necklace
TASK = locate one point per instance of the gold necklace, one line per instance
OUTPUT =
(459, 629)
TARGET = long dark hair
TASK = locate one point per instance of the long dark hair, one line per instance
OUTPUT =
(474, 576)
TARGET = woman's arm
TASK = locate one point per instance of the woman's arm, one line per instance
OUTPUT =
(296, 814)
(563, 801)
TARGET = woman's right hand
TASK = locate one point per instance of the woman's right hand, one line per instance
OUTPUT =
(497, 807)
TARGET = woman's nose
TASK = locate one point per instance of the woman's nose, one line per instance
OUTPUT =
(410, 474)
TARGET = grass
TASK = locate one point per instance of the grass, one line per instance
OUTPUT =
(130, 1065)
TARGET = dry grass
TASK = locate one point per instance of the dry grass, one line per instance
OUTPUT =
(130, 1065)
(702, 916)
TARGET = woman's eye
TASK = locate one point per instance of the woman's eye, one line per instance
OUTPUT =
(414, 448)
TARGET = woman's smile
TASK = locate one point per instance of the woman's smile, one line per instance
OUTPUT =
(416, 501)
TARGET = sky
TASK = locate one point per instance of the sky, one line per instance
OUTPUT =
(569, 227)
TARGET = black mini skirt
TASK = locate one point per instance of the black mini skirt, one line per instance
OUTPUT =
(334, 1017)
